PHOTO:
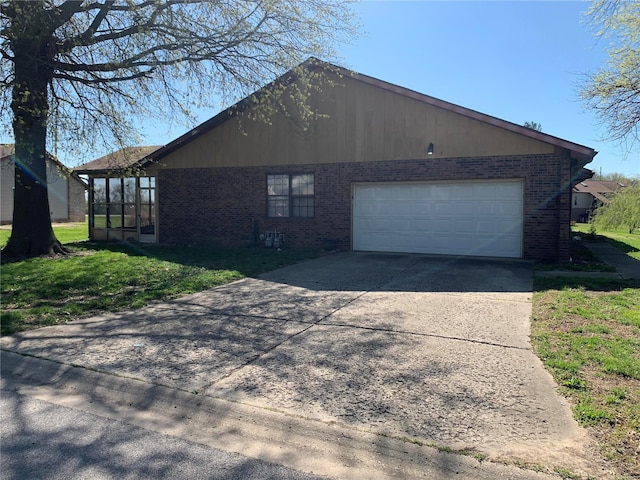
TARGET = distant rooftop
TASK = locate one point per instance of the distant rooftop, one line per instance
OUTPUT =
(597, 186)
(119, 160)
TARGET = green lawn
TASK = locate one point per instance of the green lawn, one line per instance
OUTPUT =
(66, 233)
(587, 333)
(100, 278)
(621, 238)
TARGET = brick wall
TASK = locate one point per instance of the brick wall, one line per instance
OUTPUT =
(222, 205)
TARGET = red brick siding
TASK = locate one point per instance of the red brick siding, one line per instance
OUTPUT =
(221, 205)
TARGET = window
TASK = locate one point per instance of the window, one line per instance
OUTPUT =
(290, 195)
(121, 211)
(147, 205)
(114, 202)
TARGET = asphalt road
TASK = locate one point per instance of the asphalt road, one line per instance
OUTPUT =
(41, 440)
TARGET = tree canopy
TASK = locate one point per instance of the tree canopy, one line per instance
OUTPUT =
(622, 210)
(533, 126)
(89, 71)
(613, 91)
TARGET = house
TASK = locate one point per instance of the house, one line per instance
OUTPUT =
(382, 168)
(122, 197)
(588, 195)
(66, 190)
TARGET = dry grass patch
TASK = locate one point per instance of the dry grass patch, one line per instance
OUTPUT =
(587, 332)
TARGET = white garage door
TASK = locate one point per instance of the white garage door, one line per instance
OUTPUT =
(462, 218)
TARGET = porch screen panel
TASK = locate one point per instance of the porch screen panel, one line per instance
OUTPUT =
(98, 218)
(147, 205)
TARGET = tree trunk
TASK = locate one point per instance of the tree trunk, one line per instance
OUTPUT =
(31, 233)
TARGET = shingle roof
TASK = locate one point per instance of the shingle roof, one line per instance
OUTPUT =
(597, 186)
(8, 149)
(122, 159)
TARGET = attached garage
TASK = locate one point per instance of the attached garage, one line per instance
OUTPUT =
(381, 168)
(475, 218)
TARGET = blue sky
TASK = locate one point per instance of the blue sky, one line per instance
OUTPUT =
(515, 60)
(519, 61)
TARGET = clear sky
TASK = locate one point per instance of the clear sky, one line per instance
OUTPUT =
(515, 60)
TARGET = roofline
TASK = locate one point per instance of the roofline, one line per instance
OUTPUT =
(580, 152)
(137, 164)
(467, 112)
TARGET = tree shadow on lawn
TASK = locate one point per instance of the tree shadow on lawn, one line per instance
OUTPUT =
(625, 247)
(620, 244)
(249, 261)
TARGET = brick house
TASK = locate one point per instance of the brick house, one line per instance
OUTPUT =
(588, 195)
(383, 168)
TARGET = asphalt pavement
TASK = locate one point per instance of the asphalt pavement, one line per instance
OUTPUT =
(45, 441)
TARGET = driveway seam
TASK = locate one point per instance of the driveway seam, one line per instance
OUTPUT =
(286, 339)
(310, 325)
(419, 334)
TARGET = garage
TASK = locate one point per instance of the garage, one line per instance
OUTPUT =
(474, 218)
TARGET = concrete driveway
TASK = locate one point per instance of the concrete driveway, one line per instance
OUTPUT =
(431, 349)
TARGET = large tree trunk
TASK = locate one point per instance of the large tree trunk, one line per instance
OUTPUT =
(31, 233)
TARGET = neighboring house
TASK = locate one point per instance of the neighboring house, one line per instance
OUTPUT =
(588, 195)
(382, 169)
(66, 190)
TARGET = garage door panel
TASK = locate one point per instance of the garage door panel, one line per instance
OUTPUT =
(441, 192)
(512, 209)
(465, 218)
(419, 194)
(462, 193)
(508, 190)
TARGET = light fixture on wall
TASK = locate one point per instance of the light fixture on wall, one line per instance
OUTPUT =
(430, 149)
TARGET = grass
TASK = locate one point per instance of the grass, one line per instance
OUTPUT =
(99, 278)
(66, 233)
(587, 332)
(620, 238)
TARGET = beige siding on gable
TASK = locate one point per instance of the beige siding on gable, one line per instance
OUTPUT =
(365, 123)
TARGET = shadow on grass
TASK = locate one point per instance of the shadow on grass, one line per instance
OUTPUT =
(591, 284)
(248, 261)
(620, 244)
(625, 247)
(108, 277)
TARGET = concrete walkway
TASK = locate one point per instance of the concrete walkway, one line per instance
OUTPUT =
(348, 365)
(627, 267)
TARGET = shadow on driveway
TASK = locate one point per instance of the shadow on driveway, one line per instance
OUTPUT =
(434, 349)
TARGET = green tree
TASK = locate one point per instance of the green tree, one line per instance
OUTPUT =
(533, 126)
(613, 91)
(91, 70)
(622, 210)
